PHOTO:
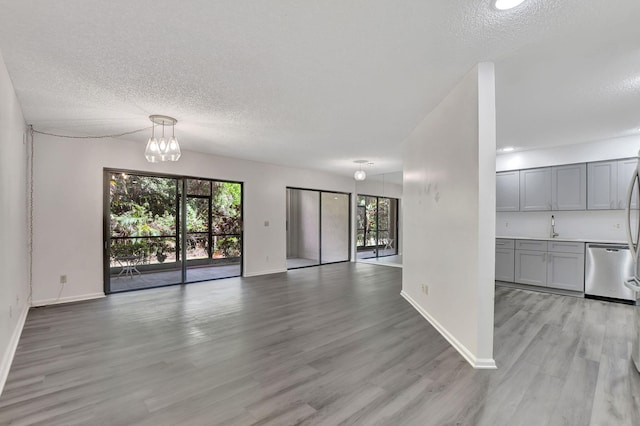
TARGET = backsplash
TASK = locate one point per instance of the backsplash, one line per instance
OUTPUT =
(590, 224)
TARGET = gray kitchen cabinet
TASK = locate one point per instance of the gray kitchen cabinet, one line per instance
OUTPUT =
(565, 271)
(536, 245)
(602, 185)
(535, 189)
(565, 246)
(569, 187)
(505, 260)
(508, 191)
(553, 264)
(565, 265)
(531, 267)
(625, 170)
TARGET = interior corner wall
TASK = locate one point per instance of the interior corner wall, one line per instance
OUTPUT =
(14, 237)
(449, 208)
(68, 208)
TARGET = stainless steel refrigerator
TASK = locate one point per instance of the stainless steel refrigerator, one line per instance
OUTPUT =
(633, 283)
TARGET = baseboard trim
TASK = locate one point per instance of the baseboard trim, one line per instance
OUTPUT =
(7, 359)
(540, 289)
(47, 302)
(272, 271)
(478, 363)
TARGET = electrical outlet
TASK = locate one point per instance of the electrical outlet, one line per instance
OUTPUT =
(63, 279)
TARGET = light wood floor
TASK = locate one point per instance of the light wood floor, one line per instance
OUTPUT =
(328, 345)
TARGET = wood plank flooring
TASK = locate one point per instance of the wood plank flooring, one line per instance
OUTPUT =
(329, 345)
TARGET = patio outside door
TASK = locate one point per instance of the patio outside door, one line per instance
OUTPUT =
(163, 230)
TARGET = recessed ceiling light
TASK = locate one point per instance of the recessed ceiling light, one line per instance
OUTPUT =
(507, 4)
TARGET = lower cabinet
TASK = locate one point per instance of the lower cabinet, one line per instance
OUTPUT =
(531, 267)
(565, 271)
(504, 260)
(553, 264)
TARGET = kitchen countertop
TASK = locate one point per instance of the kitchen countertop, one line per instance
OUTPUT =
(573, 240)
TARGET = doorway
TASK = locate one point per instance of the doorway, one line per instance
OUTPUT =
(163, 230)
(318, 227)
(377, 227)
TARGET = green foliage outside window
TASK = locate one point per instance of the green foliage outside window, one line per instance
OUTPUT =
(147, 206)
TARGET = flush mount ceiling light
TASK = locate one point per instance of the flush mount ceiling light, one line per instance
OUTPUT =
(360, 174)
(163, 149)
(507, 4)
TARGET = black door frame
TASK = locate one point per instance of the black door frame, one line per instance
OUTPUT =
(181, 220)
(320, 192)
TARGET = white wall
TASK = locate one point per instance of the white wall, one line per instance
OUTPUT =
(69, 208)
(449, 206)
(14, 238)
(605, 225)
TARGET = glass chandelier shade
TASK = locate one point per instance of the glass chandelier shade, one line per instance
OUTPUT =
(360, 174)
(162, 150)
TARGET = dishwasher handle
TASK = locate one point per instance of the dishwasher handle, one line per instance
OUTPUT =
(611, 248)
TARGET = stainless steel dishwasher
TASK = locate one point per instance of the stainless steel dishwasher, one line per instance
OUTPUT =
(607, 266)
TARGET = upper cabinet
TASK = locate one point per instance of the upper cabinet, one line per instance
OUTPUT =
(608, 184)
(508, 191)
(535, 189)
(625, 170)
(569, 187)
(602, 185)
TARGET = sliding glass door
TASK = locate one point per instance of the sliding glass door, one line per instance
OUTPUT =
(213, 238)
(334, 227)
(163, 230)
(318, 228)
(377, 222)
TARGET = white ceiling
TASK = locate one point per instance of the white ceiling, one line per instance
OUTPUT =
(320, 84)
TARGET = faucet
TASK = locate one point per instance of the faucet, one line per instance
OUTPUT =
(553, 227)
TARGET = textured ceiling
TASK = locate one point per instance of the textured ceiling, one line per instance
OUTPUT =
(319, 84)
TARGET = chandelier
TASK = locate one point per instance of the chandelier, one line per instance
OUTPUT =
(360, 174)
(162, 149)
